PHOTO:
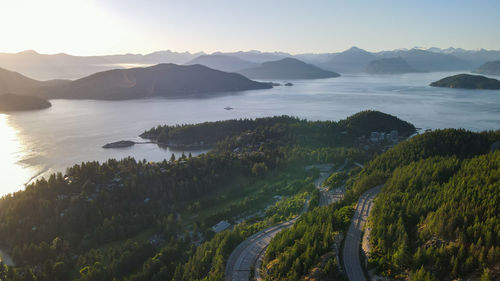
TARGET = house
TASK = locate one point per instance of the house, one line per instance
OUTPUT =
(221, 226)
(394, 136)
(374, 136)
(156, 240)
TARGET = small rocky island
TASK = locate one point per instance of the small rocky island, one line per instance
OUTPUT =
(119, 144)
(10, 102)
(468, 81)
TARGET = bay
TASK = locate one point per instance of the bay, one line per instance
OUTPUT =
(38, 143)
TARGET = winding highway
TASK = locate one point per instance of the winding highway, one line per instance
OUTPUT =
(249, 254)
(352, 261)
(244, 257)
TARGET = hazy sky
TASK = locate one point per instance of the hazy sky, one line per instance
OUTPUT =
(87, 27)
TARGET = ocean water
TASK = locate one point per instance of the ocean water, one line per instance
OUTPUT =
(37, 143)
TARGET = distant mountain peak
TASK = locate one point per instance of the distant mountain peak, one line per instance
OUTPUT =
(287, 68)
(287, 60)
(28, 52)
(356, 49)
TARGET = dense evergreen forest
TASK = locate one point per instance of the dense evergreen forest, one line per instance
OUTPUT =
(295, 252)
(282, 128)
(436, 219)
(135, 220)
(439, 219)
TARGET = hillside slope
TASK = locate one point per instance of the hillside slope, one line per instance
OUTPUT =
(489, 68)
(163, 80)
(287, 68)
(389, 66)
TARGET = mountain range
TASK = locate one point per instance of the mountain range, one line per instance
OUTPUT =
(424, 60)
(64, 66)
(389, 66)
(350, 61)
(223, 62)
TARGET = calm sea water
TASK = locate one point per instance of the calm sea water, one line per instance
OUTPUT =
(38, 143)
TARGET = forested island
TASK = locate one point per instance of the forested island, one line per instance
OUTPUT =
(9, 102)
(467, 81)
(119, 144)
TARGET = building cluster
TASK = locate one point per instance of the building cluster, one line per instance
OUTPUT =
(221, 226)
(393, 136)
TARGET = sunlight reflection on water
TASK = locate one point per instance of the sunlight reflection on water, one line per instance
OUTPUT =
(11, 152)
(37, 143)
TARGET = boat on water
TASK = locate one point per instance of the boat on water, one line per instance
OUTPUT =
(228, 108)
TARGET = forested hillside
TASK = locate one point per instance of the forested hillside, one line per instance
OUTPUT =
(294, 252)
(438, 203)
(284, 128)
(136, 220)
(448, 142)
(438, 219)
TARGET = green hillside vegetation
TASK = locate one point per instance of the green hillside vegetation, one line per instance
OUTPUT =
(284, 128)
(439, 215)
(467, 81)
(448, 142)
(365, 122)
(405, 216)
(423, 176)
(136, 220)
(293, 252)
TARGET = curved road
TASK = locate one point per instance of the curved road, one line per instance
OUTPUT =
(249, 254)
(242, 259)
(352, 262)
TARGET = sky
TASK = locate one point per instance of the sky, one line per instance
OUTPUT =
(98, 27)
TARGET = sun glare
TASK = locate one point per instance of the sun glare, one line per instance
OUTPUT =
(54, 25)
(14, 174)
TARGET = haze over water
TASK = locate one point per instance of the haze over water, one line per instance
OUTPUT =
(71, 131)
